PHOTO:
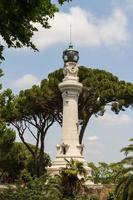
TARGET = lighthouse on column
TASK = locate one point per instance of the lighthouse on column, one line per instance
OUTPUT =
(70, 88)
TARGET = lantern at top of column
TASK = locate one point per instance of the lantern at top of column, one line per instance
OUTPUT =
(70, 55)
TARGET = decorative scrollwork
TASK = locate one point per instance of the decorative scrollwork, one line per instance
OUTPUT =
(80, 147)
(70, 71)
(64, 148)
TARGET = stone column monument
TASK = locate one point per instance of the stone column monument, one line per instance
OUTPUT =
(70, 89)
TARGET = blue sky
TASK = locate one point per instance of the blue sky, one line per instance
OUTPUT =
(102, 33)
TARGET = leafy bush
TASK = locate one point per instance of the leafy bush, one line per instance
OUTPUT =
(124, 189)
(111, 196)
(45, 187)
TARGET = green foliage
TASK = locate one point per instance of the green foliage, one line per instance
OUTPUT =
(111, 196)
(106, 173)
(1, 74)
(16, 161)
(19, 20)
(25, 176)
(7, 138)
(62, 1)
(100, 89)
(7, 194)
(40, 106)
(29, 112)
(8, 160)
(72, 178)
(44, 162)
(66, 186)
(124, 189)
(45, 187)
(82, 197)
(12, 161)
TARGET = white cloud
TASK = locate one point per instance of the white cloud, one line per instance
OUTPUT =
(93, 138)
(93, 142)
(129, 4)
(112, 119)
(95, 152)
(114, 29)
(25, 82)
(87, 30)
(94, 149)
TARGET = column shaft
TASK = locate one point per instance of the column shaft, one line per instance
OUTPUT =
(70, 118)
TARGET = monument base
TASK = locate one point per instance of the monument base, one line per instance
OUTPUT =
(60, 162)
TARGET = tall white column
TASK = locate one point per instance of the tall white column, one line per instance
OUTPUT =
(69, 146)
(70, 89)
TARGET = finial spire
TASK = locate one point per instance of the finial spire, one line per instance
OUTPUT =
(70, 34)
(70, 44)
(70, 54)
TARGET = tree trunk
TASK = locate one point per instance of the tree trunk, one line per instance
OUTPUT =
(35, 167)
(41, 163)
(83, 130)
